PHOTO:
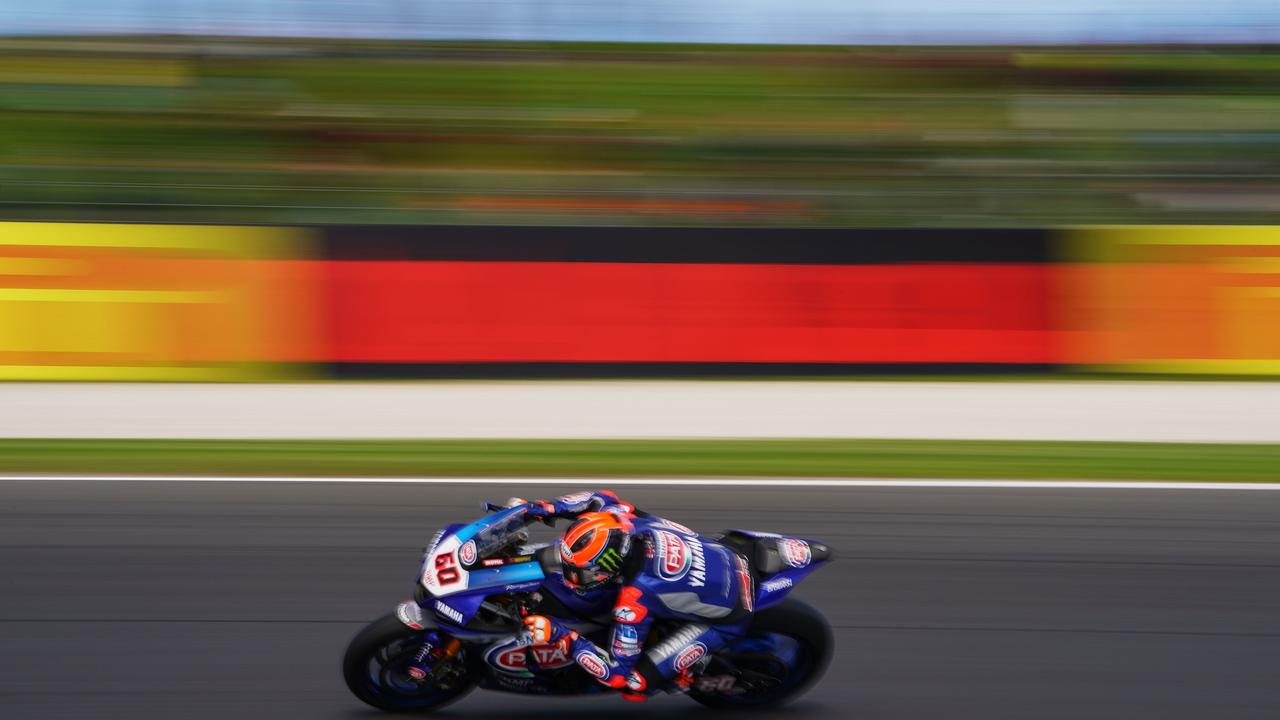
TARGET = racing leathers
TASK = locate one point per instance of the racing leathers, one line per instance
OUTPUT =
(672, 574)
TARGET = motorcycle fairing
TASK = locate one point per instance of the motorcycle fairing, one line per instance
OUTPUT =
(454, 564)
(782, 561)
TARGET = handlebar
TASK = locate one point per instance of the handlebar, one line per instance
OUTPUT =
(549, 521)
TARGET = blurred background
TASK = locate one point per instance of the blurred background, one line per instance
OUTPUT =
(1043, 218)
(323, 124)
(929, 112)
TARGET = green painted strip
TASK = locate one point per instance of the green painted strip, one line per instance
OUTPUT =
(652, 458)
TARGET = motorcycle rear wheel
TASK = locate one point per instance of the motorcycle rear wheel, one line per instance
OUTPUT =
(795, 619)
(374, 669)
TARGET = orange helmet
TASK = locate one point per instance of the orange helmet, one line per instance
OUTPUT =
(593, 550)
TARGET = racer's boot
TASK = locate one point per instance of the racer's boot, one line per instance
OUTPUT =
(684, 681)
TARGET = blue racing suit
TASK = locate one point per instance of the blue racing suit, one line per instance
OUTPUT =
(671, 573)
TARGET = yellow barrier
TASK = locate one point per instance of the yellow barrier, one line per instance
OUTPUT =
(1174, 299)
(152, 302)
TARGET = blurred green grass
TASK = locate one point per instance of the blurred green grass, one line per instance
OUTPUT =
(322, 131)
(680, 458)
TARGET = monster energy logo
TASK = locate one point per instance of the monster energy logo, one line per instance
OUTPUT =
(610, 560)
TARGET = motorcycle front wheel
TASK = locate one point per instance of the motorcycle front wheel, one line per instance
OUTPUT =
(777, 681)
(375, 669)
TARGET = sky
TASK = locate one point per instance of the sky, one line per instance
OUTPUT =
(752, 21)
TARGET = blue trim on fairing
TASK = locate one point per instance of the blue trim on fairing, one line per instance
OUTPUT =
(525, 572)
(767, 599)
(449, 529)
(464, 603)
(481, 582)
(758, 534)
(468, 603)
(470, 531)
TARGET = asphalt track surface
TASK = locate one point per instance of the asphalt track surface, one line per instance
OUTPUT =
(212, 600)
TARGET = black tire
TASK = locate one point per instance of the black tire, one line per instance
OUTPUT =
(793, 618)
(369, 649)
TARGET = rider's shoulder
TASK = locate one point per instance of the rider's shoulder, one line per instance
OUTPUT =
(649, 525)
(669, 552)
(655, 537)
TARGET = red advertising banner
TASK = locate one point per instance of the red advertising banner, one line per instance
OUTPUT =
(602, 312)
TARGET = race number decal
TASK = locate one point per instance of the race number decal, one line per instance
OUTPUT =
(442, 574)
(446, 570)
(719, 684)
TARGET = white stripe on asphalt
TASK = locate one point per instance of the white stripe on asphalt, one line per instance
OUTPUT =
(677, 482)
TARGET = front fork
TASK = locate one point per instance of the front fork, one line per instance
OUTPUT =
(432, 655)
(435, 649)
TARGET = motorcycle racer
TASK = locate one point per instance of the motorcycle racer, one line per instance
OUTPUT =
(645, 568)
(623, 600)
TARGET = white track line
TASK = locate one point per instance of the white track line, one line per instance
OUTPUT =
(675, 482)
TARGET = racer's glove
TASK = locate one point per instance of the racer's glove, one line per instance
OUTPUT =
(571, 506)
(575, 504)
(543, 630)
(541, 510)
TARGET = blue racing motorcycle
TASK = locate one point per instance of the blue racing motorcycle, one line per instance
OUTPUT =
(478, 581)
